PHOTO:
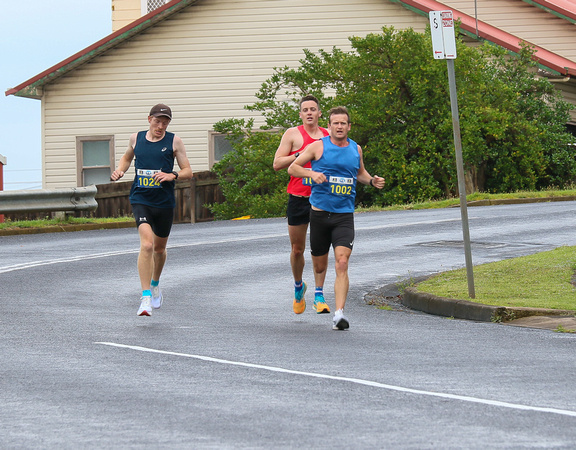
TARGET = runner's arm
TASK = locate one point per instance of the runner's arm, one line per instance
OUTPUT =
(125, 160)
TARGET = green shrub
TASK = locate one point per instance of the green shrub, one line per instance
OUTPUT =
(513, 125)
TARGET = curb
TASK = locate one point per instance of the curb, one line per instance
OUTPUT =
(517, 201)
(464, 309)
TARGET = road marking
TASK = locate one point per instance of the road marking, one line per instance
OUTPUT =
(350, 380)
(32, 264)
(47, 262)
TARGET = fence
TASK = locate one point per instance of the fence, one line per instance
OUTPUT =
(113, 201)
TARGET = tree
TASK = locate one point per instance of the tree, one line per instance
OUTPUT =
(512, 123)
(248, 182)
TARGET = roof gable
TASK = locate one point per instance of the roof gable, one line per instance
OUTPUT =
(565, 9)
(33, 87)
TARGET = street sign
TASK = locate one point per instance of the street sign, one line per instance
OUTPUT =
(444, 47)
(436, 31)
(443, 35)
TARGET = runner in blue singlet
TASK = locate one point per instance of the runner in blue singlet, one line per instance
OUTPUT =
(337, 166)
(152, 197)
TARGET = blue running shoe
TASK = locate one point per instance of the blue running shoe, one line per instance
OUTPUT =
(320, 305)
(299, 304)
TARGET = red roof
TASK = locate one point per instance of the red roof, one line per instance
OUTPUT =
(102, 45)
(506, 40)
(564, 8)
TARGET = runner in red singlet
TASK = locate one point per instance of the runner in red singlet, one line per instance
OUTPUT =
(294, 141)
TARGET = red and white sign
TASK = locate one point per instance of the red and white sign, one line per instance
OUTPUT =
(443, 35)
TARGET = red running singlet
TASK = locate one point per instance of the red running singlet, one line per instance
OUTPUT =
(295, 186)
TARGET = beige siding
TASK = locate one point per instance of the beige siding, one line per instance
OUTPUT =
(206, 62)
(124, 12)
(569, 93)
(524, 21)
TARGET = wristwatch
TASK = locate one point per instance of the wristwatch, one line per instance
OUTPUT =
(297, 154)
(175, 174)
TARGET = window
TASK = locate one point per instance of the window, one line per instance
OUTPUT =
(151, 5)
(218, 146)
(95, 159)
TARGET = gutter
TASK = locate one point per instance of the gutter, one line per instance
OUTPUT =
(558, 8)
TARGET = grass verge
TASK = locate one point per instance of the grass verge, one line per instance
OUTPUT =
(19, 224)
(543, 280)
(452, 202)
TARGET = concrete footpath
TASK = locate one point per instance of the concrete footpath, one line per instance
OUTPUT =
(556, 320)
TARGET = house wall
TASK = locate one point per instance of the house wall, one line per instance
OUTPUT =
(206, 63)
(125, 12)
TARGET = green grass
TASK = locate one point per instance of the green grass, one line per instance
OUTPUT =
(542, 280)
(452, 202)
(9, 225)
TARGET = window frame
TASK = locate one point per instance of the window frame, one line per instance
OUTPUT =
(80, 168)
(211, 141)
(212, 147)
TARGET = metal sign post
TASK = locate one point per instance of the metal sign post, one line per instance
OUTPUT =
(444, 47)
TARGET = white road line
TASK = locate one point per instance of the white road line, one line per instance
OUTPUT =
(351, 380)
(32, 264)
(47, 262)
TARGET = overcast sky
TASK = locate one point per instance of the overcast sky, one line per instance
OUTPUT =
(37, 34)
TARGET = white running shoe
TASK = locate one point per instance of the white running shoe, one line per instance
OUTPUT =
(340, 322)
(156, 297)
(145, 307)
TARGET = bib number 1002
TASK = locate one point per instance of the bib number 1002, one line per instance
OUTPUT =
(341, 189)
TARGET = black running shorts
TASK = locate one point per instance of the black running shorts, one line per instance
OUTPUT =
(336, 229)
(298, 211)
(160, 219)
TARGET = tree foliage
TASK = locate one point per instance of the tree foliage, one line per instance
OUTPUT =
(512, 123)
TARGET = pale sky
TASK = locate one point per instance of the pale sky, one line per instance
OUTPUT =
(37, 34)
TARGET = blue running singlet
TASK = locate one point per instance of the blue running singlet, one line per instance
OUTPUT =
(150, 158)
(340, 165)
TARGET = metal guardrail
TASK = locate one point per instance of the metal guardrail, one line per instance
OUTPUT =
(45, 200)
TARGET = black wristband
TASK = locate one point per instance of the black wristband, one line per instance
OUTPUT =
(371, 182)
(175, 174)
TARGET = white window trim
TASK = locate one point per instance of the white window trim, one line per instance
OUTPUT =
(211, 148)
(79, 150)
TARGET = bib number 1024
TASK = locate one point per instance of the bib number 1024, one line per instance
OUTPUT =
(146, 178)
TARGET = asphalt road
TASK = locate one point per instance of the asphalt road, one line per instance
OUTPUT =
(226, 364)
